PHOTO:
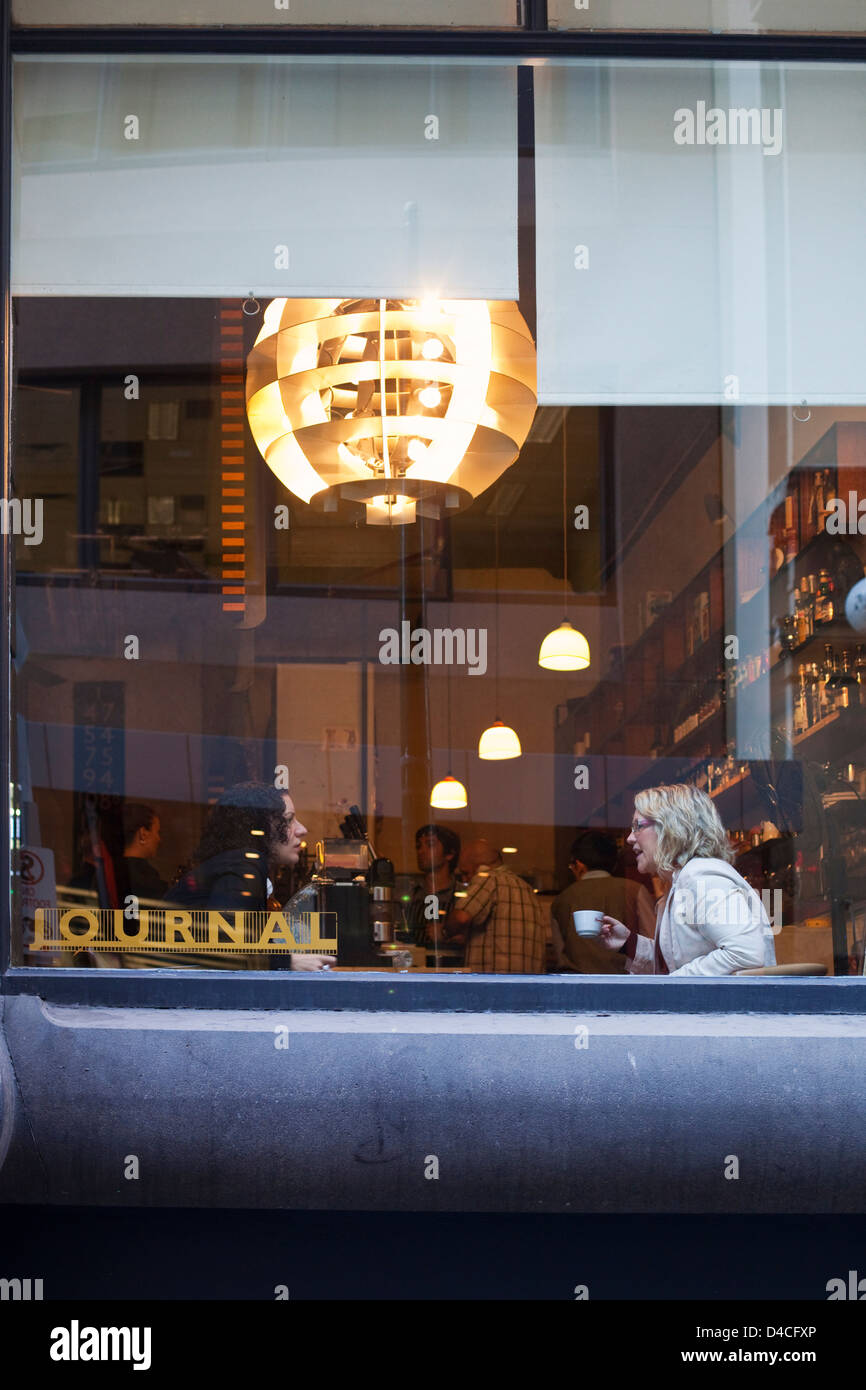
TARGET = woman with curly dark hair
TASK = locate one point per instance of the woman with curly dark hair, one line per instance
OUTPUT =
(252, 831)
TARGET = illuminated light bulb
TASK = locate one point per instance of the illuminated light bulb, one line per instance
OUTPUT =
(393, 510)
(499, 742)
(257, 832)
(448, 795)
(564, 649)
(416, 449)
(430, 397)
(509, 849)
(432, 349)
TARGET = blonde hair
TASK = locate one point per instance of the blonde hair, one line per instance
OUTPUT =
(687, 824)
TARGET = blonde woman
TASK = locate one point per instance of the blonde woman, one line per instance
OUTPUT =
(710, 921)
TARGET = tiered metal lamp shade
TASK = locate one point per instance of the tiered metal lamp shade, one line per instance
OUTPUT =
(391, 408)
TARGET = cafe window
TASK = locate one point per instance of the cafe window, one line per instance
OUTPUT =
(487, 14)
(397, 499)
(715, 16)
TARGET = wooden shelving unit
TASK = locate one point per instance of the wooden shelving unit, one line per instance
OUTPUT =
(635, 709)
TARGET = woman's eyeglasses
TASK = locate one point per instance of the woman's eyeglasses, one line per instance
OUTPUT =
(638, 825)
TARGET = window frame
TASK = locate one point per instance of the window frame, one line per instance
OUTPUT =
(379, 991)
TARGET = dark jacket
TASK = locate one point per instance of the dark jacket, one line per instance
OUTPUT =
(230, 881)
(139, 877)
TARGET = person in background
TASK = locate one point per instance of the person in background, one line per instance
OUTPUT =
(140, 843)
(710, 921)
(438, 851)
(251, 832)
(505, 930)
(596, 887)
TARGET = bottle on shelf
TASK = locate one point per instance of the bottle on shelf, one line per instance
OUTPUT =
(802, 616)
(821, 701)
(825, 599)
(811, 593)
(801, 706)
(828, 670)
(847, 681)
(787, 627)
(815, 689)
(790, 529)
(860, 672)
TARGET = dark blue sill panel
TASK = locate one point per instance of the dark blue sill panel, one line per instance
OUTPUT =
(381, 990)
(586, 1110)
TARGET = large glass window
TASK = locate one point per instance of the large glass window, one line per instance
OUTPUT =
(489, 14)
(393, 510)
(732, 16)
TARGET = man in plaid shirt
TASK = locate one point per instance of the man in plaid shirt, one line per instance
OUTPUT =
(504, 925)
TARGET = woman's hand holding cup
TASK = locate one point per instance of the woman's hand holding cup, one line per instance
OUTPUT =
(613, 933)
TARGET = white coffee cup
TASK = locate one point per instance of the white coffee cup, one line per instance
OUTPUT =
(587, 922)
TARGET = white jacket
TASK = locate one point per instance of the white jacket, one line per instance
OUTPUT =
(712, 922)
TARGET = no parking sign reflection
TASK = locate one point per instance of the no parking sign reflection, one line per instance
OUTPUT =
(37, 884)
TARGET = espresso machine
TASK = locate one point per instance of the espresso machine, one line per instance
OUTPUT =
(351, 881)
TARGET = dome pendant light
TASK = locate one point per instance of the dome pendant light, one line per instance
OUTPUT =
(499, 741)
(449, 794)
(564, 649)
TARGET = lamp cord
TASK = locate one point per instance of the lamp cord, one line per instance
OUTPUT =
(448, 707)
(498, 714)
(564, 528)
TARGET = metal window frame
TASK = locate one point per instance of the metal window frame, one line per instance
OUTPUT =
(171, 988)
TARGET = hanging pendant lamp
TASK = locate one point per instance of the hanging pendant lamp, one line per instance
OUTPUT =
(564, 649)
(448, 795)
(499, 741)
(391, 409)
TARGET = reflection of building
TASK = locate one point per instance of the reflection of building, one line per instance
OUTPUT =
(187, 622)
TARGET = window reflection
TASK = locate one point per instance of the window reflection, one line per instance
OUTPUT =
(720, 606)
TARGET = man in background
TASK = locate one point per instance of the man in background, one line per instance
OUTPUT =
(596, 888)
(438, 852)
(504, 926)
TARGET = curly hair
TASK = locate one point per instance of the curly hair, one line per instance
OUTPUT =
(251, 815)
(688, 825)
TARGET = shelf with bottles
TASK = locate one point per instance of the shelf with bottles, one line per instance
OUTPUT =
(784, 539)
(818, 601)
(836, 686)
(698, 727)
(787, 534)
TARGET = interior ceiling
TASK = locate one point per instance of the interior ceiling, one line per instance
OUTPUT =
(647, 453)
(650, 449)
